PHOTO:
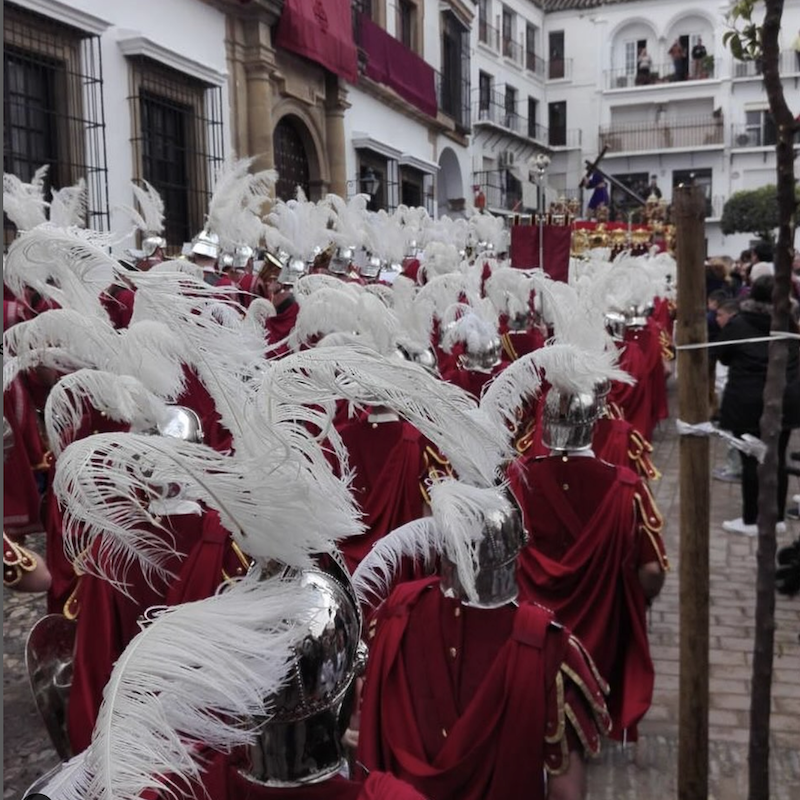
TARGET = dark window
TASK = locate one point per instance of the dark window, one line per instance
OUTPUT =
(166, 133)
(484, 90)
(291, 160)
(363, 7)
(511, 101)
(556, 65)
(411, 186)
(484, 24)
(533, 117)
(508, 32)
(760, 129)
(530, 47)
(454, 85)
(177, 145)
(406, 11)
(557, 123)
(53, 108)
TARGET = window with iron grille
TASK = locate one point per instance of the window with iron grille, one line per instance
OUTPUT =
(177, 142)
(53, 108)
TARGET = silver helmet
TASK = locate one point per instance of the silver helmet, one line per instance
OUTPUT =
(424, 357)
(206, 244)
(341, 261)
(371, 268)
(636, 316)
(301, 742)
(504, 537)
(182, 423)
(483, 358)
(241, 255)
(49, 661)
(615, 322)
(151, 243)
(291, 271)
(568, 420)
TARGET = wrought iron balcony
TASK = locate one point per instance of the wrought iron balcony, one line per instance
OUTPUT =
(661, 135)
(559, 68)
(788, 64)
(501, 188)
(660, 74)
(452, 95)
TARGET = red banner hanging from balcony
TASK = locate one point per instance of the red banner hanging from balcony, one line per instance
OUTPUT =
(557, 241)
(393, 64)
(322, 32)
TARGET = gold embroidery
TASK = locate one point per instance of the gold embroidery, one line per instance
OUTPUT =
(559, 734)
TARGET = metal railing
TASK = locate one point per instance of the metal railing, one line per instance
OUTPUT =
(564, 137)
(513, 51)
(493, 110)
(659, 135)
(559, 68)
(535, 64)
(757, 135)
(660, 74)
(453, 99)
(488, 35)
(502, 190)
(788, 64)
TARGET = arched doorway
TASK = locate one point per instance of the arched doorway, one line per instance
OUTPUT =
(291, 159)
(450, 190)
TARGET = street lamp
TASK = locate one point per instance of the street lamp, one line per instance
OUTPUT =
(538, 167)
(370, 182)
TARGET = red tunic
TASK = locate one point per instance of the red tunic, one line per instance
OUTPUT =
(649, 340)
(118, 303)
(197, 397)
(618, 442)
(636, 401)
(590, 531)
(281, 325)
(472, 381)
(108, 619)
(388, 459)
(458, 701)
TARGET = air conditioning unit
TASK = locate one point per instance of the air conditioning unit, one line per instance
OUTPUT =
(507, 158)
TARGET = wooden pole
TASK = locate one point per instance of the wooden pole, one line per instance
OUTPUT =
(688, 205)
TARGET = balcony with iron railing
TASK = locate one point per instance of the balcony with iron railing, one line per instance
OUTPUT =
(660, 135)
(488, 35)
(493, 111)
(788, 64)
(503, 192)
(757, 135)
(559, 69)
(453, 98)
(535, 64)
(659, 75)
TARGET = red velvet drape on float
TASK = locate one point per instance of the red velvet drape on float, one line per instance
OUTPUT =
(557, 243)
(322, 32)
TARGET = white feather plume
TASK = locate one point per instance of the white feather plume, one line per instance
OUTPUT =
(574, 370)
(309, 284)
(440, 411)
(200, 675)
(150, 217)
(509, 290)
(102, 480)
(503, 396)
(350, 221)
(119, 397)
(24, 203)
(153, 353)
(68, 205)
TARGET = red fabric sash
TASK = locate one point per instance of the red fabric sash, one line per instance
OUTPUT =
(593, 588)
(493, 751)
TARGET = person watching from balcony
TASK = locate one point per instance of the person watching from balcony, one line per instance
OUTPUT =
(653, 188)
(643, 66)
(698, 54)
(678, 56)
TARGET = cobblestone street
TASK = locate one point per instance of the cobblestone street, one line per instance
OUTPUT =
(646, 771)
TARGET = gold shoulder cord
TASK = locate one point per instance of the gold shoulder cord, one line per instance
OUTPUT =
(652, 522)
(17, 562)
(436, 467)
(245, 561)
(509, 347)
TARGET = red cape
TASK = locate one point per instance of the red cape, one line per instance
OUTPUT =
(636, 401)
(280, 326)
(582, 562)
(197, 397)
(388, 462)
(118, 303)
(618, 442)
(458, 701)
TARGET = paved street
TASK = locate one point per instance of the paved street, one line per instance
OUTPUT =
(647, 771)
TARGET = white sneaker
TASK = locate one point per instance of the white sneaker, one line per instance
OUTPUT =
(796, 499)
(737, 526)
(780, 527)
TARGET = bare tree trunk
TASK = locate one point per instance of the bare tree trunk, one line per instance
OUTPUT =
(770, 426)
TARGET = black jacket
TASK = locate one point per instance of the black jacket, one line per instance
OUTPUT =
(742, 400)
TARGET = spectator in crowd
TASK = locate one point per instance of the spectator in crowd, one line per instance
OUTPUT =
(653, 188)
(742, 399)
(643, 66)
(698, 54)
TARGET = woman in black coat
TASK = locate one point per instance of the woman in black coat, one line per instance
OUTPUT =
(743, 402)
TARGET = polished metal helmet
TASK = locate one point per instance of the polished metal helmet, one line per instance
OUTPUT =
(301, 741)
(341, 260)
(151, 243)
(49, 660)
(615, 322)
(636, 316)
(182, 423)
(206, 244)
(424, 357)
(504, 537)
(568, 420)
(291, 271)
(241, 255)
(520, 322)
(482, 358)
(371, 268)
(225, 260)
